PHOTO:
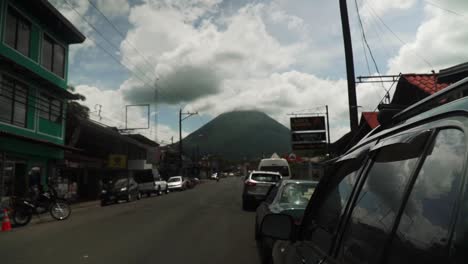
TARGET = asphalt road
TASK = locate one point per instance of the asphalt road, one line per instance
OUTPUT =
(202, 225)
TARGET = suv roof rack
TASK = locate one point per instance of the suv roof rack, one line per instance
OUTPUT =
(453, 92)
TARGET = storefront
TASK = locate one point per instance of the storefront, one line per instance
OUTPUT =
(25, 165)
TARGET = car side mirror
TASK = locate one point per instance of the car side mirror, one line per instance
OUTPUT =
(278, 226)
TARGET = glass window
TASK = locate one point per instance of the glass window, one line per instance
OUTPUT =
(265, 177)
(50, 108)
(297, 194)
(423, 232)
(10, 29)
(47, 51)
(320, 229)
(17, 32)
(379, 200)
(59, 60)
(13, 102)
(283, 170)
(53, 56)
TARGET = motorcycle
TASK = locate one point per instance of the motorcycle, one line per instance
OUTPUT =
(24, 208)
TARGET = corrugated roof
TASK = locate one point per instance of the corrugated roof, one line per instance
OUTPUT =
(371, 119)
(426, 82)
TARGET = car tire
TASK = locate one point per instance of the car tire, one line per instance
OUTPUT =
(139, 195)
(167, 190)
(129, 198)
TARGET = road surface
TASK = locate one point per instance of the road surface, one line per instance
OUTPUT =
(203, 225)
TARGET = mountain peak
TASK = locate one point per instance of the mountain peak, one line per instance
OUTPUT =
(238, 135)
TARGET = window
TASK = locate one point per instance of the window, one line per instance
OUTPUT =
(53, 56)
(265, 177)
(321, 228)
(13, 102)
(50, 108)
(380, 198)
(17, 32)
(283, 170)
(423, 232)
(297, 194)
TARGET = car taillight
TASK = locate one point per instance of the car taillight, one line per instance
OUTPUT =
(250, 183)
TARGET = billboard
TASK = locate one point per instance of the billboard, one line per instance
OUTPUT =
(308, 123)
(311, 137)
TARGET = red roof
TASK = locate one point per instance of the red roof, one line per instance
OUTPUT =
(426, 82)
(371, 119)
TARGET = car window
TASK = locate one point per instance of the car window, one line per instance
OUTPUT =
(423, 232)
(297, 193)
(343, 177)
(283, 170)
(378, 201)
(174, 179)
(263, 177)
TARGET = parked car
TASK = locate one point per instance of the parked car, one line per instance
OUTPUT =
(177, 183)
(256, 187)
(275, 165)
(287, 197)
(150, 182)
(399, 196)
(123, 187)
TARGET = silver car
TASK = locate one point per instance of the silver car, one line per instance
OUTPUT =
(177, 183)
(256, 187)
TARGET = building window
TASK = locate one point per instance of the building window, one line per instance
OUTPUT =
(50, 108)
(13, 102)
(53, 56)
(17, 32)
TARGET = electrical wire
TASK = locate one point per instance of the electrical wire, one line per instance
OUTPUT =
(443, 8)
(122, 35)
(395, 35)
(105, 39)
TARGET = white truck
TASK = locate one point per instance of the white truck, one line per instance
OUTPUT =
(150, 182)
(275, 165)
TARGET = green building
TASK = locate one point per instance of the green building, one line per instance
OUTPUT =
(34, 47)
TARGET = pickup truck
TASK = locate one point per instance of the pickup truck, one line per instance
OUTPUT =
(150, 182)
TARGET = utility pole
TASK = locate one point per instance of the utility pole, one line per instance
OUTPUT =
(352, 101)
(328, 130)
(182, 117)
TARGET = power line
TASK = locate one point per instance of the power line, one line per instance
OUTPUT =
(396, 36)
(368, 47)
(102, 36)
(445, 9)
(121, 34)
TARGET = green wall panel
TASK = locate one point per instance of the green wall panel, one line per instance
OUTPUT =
(14, 146)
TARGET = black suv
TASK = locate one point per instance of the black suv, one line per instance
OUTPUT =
(398, 196)
(120, 187)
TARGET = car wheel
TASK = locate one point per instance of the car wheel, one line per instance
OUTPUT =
(139, 196)
(129, 197)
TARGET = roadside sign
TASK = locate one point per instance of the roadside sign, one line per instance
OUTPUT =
(308, 137)
(308, 123)
(307, 146)
(117, 161)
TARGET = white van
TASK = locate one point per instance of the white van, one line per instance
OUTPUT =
(275, 165)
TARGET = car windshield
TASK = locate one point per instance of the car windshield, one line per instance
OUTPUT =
(297, 193)
(264, 177)
(177, 179)
(283, 170)
(120, 183)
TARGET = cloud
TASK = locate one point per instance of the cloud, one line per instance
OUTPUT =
(440, 39)
(113, 8)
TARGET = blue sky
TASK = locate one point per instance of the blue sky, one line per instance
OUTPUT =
(277, 56)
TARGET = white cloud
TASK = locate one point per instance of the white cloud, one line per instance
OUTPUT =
(113, 113)
(441, 39)
(113, 8)
(382, 7)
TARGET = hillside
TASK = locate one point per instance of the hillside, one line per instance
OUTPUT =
(238, 135)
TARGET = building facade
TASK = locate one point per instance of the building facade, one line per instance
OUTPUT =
(35, 40)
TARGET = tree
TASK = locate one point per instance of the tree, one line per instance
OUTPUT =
(75, 112)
